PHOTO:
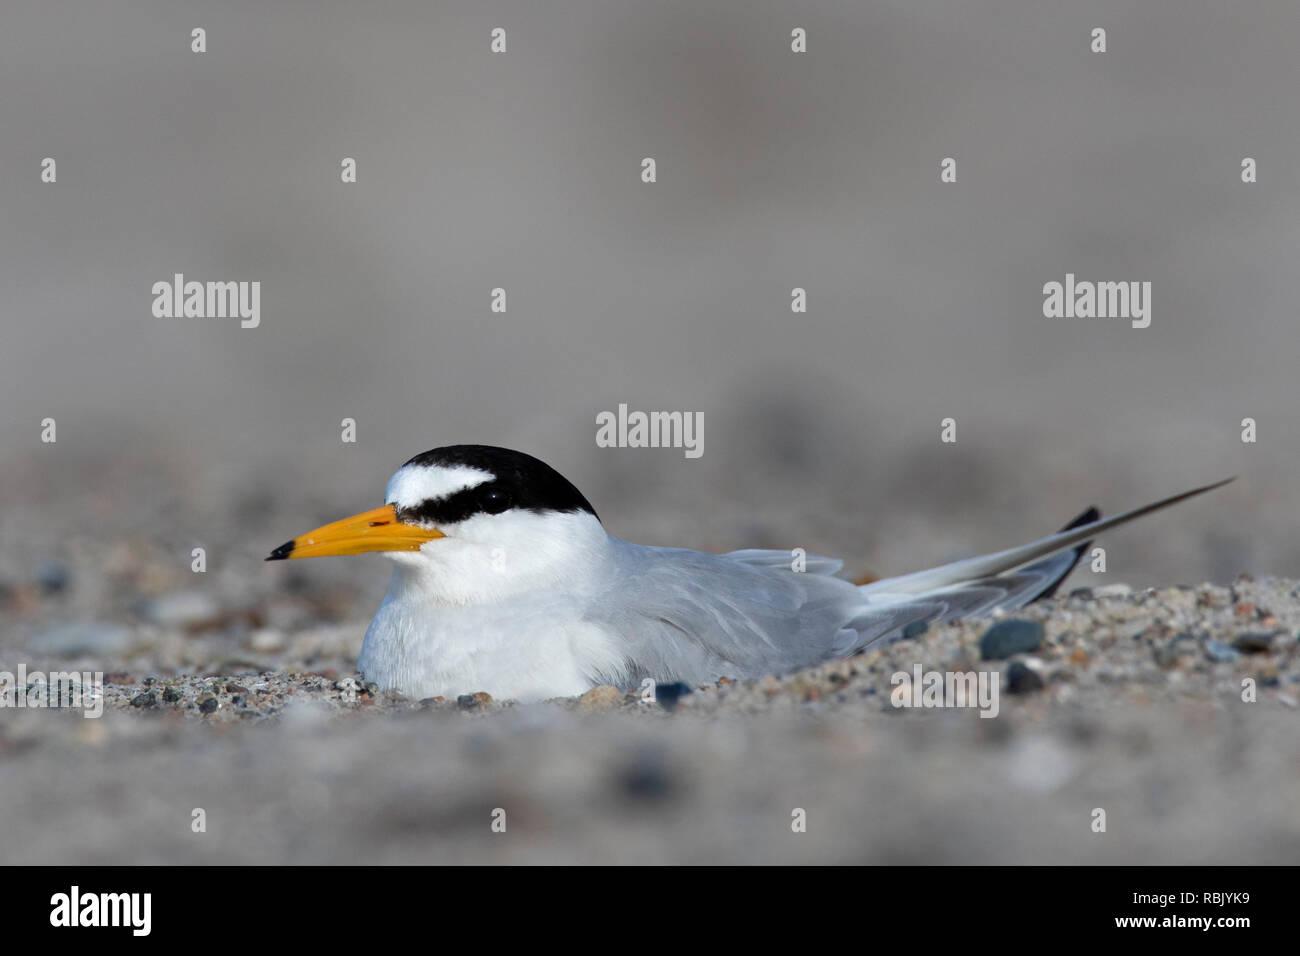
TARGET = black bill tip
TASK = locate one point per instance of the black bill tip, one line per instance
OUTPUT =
(282, 552)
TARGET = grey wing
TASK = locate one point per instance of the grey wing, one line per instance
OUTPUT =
(786, 561)
(887, 615)
(690, 616)
(694, 617)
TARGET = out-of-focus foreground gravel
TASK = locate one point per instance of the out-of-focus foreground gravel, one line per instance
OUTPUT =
(1131, 702)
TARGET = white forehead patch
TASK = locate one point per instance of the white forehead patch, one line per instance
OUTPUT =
(413, 484)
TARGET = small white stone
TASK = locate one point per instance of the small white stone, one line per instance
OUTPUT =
(266, 639)
(181, 608)
(1112, 591)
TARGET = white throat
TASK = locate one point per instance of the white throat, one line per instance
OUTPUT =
(496, 605)
(489, 558)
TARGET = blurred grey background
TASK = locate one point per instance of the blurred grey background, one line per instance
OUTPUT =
(776, 170)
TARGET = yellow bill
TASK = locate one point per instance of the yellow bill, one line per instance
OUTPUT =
(377, 530)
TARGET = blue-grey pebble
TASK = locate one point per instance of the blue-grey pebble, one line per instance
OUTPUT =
(1219, 651)
(1006, 638)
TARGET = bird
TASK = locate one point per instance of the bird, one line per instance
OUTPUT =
(505, 581)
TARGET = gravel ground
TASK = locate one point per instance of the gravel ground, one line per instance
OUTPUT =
(1131, 702)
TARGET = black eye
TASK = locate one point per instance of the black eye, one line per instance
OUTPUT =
(495, 501)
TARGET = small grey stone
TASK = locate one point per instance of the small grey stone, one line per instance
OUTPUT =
(181, 608)
(466, 702)
(149, 699)
(915, 629)
(53, 577)
(1023, 679)
(171, 695)
(1082, 594)
(1007, 638)
(1219, 651)
(208, 704)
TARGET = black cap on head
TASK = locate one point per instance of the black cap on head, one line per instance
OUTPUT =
(521, 482)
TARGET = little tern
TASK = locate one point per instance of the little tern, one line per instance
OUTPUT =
(506, 581)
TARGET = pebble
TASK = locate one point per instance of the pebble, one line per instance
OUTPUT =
(1213, 596)
(669, 695)
(53, 577)
(1112, 591)
(148, 699)
(1219, 651)
(1023, 679)
(915, 629)
(208, 703)
(1255, 643)
(600, 698)
(266, 640)
(349, 685)
(1006, 638)
(171, 695)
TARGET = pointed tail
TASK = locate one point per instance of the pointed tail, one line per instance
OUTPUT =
(988, 565)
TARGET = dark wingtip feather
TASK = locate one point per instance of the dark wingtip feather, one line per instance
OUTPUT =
(1086, 517)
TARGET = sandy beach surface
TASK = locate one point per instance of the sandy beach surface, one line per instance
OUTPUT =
(1173, 710)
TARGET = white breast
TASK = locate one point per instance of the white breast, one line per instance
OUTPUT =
(500, 605)
(522, 649)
